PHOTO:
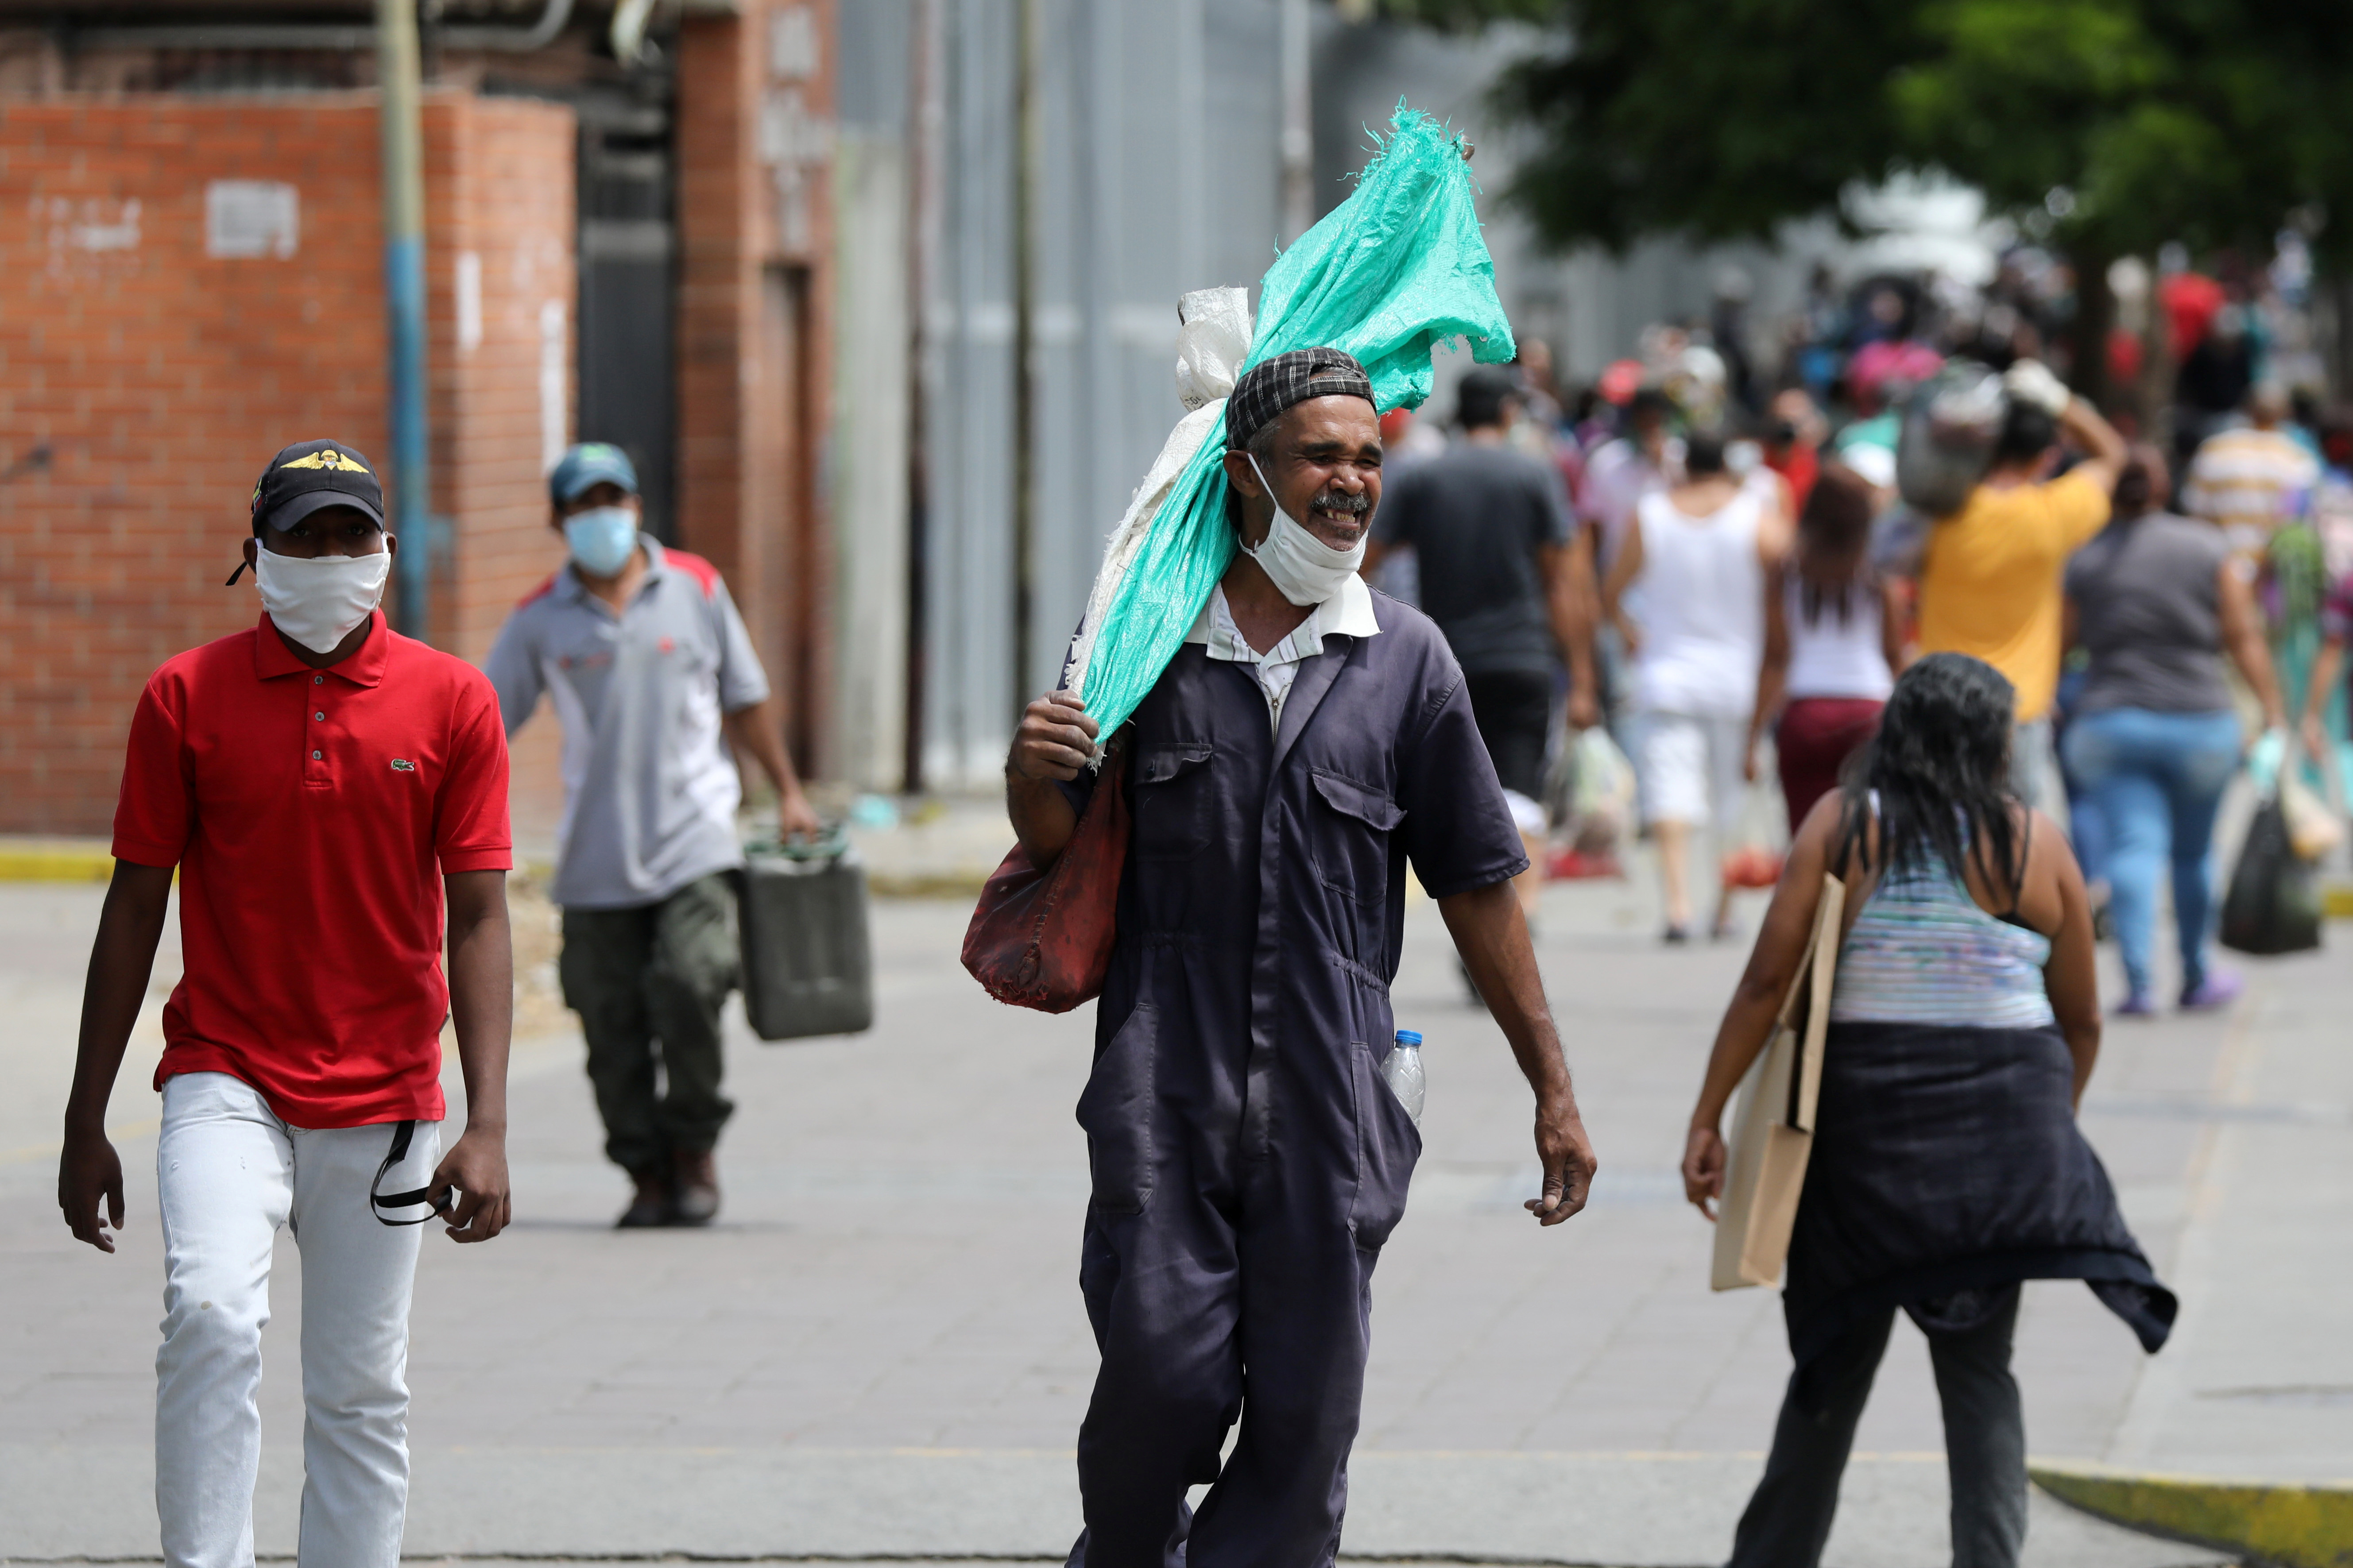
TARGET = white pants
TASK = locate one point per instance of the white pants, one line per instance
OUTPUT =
(229, 1174)
(1690, 769)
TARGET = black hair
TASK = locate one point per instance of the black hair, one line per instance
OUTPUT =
(1703, 453)
(2135, 495)
(1650, 400)
(1479, 397)
(2027, 432)
(1834, 541)
(1940, 767)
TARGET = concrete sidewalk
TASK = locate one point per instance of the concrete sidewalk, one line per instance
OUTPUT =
(879, 1350)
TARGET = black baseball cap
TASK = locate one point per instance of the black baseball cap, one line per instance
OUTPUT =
(311, 476)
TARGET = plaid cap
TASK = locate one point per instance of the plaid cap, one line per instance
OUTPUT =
(1269, 387)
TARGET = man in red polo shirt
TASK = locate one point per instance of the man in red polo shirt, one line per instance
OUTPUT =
(320, 782)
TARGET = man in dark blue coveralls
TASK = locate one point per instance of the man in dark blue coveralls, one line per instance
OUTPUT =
(1249, 1158)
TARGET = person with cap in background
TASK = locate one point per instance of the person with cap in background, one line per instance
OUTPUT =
(1249, 1160)
(654, 678)
(326, 789)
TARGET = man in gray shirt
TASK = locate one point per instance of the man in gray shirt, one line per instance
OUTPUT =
(654, 679)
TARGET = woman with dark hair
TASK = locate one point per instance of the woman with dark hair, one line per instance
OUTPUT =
(1833, 642)
(1946, 1165)
(2153, 737)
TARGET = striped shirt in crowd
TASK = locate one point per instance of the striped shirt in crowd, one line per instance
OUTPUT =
(2247, 482)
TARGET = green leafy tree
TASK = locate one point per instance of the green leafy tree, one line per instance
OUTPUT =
(2209, 121)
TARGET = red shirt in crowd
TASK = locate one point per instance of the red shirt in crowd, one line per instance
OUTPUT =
(312, 814)
(1801, 466)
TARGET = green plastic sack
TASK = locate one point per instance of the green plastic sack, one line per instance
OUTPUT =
(1387, 275)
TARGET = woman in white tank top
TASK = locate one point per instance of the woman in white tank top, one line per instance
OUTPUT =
(1687, 595)
(1834, 634)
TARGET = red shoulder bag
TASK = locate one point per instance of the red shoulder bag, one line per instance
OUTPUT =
(1043, 939)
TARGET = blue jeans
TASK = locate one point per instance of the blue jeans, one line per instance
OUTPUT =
(2158, 779)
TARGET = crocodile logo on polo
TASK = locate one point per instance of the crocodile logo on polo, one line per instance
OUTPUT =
(403, 765)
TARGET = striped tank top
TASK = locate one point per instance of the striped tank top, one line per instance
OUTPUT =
(1922, 952)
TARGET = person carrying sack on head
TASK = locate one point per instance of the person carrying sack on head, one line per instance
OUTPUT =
(1249, 1160)
(324, 786)
(647, 664)
(1989, 574)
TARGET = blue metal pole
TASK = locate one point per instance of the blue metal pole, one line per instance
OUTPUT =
(398, 80)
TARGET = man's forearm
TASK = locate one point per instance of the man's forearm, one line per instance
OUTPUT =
(1572, 628)
(2088, 425)
(756, 731)
(121, 961)
(481, 995)
(1573, 604)
(1042, 817)
(1492, 935)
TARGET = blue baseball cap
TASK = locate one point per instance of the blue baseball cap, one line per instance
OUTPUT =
(590, 463)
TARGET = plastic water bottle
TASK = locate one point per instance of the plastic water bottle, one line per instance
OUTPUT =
(1402, 1068)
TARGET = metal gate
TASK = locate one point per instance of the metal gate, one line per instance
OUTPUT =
(629, 392)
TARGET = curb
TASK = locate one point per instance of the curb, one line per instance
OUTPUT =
(39, 862)
(2296, 1526)
(60, 863)
(74, 863)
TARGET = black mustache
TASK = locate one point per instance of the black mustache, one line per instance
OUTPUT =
(1341, 501)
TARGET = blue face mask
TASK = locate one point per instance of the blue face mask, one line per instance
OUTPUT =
(601, 538)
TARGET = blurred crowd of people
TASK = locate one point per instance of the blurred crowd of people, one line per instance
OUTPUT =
(1726, 559)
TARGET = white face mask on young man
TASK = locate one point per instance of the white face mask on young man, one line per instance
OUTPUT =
(1303, 569)
(318, 599)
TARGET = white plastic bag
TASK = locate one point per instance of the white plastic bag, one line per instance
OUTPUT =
(1212, 339)
(1211, 343)
(1600, 797)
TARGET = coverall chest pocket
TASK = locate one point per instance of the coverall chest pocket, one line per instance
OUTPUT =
(1116, 1111)
(1170, 793)
(1352, 847)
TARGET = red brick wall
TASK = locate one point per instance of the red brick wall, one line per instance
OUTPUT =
(499, 185)
(143, 385)
(753, 368)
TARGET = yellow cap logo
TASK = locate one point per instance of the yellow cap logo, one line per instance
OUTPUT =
(330, 459)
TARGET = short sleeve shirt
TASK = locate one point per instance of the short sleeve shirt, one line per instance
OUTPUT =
(2149, 612)
(2247, 482)
(311, 814)
(1478, 520)
(1990, 582)
(649, 788)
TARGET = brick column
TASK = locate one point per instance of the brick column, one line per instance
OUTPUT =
(754, 105)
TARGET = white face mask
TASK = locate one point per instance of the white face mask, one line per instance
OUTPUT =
(1303, 569)
(317, 600)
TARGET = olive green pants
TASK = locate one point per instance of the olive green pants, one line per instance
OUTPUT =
(647, 983)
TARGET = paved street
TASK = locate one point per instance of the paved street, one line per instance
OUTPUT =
(880, 1349)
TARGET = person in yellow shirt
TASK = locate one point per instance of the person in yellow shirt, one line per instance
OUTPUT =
(1990, 579)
